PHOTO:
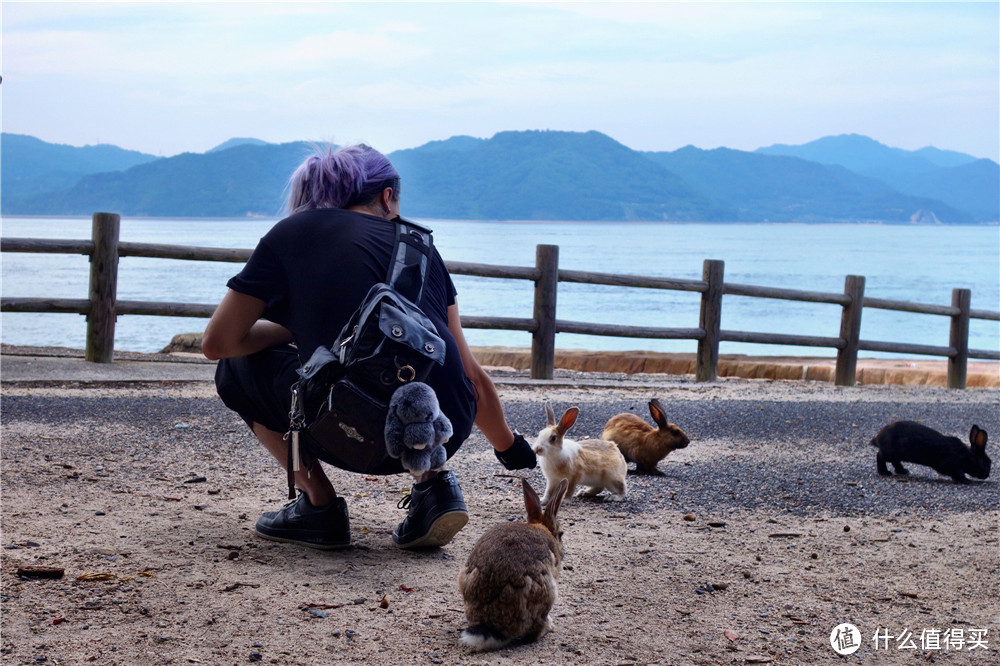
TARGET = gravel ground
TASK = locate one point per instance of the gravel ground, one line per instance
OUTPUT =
(765, 533)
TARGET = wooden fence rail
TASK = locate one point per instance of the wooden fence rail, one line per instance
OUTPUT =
(102, 306)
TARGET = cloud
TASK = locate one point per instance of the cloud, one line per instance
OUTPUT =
(661, 74)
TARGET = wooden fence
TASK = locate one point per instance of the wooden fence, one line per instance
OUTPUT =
(102, 306)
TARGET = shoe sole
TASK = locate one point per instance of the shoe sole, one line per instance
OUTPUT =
(441, 532)
(307, 544)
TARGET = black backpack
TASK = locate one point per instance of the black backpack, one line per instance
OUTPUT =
(342, 397)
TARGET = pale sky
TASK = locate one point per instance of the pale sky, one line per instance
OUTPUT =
(166, 78)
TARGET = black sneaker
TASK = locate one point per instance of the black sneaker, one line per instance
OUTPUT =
(436, 514)
(326, 527)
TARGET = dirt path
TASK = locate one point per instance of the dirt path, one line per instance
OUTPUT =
(769, 530)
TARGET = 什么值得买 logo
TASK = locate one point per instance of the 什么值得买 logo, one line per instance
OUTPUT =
(845, 639)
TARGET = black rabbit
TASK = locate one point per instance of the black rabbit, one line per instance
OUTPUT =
(914, 442)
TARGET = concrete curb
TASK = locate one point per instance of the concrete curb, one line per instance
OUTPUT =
(55, 365)
(870, 371)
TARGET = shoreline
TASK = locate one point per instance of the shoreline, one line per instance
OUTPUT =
(905, 372)
(185, 348)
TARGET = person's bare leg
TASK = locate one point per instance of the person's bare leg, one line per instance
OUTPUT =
(314, 483)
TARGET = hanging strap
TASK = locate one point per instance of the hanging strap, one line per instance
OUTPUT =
(296, 422)
(408, 266)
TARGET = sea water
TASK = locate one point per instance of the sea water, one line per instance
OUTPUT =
(909, 263)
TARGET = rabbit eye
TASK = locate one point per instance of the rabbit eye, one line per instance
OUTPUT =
(552, 438)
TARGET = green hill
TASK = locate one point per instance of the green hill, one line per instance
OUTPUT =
(972, 186)
(867, 156)
(546, 176)
(533, 175)
(766, 188)
(244, 180)
(958, 180)
(31, 166)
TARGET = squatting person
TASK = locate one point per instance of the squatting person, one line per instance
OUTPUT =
(303, 281)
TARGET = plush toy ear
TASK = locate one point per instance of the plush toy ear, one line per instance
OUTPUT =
(442, 429)
(394, 435)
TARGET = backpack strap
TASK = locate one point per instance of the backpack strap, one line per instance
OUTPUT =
(406, 274)
(410, 259)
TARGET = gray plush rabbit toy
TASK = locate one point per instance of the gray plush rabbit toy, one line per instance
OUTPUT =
(416, 429)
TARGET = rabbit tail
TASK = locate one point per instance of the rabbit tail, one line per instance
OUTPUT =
(483, 637)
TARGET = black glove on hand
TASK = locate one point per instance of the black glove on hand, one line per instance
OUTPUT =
(518, 456)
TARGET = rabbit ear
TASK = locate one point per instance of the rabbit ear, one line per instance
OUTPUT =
(568, 419)
(658, 413)
(532, 504)
(977, 437)
(553, 506)
(550, 416)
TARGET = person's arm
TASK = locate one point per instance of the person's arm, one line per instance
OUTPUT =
(489, 412)
(236, 329)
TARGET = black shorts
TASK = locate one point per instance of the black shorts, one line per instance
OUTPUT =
(258, 387)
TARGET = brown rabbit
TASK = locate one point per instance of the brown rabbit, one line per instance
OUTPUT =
(642, 444)
(589, 462)
(509, 580)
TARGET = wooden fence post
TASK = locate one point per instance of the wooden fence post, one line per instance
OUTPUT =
(103, 288)
(543, 339)
(959, 338)
(850, 331)
(710, 321)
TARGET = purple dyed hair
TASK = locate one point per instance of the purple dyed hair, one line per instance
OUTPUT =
(349, 176)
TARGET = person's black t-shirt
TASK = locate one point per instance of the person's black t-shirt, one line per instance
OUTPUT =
(312, 269)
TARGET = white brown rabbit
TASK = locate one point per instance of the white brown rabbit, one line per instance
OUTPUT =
(910, 441)
(640, 442)
(589, 462)
(509, 580)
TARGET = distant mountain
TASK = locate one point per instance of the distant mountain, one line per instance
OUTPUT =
(31, 166)
(959, 180)
(243, 180)
(533, 175)
(867, 156)
(232, 143)
(943, 158)
(459, 143)
(973, 186)
(545, 175)
(772, 188)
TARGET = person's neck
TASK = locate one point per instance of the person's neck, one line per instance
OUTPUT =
(371, 209)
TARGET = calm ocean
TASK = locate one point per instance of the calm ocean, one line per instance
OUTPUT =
(912, 263)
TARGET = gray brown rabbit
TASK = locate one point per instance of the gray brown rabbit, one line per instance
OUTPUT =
(509, 581)
(909, 441)
(640, 442)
